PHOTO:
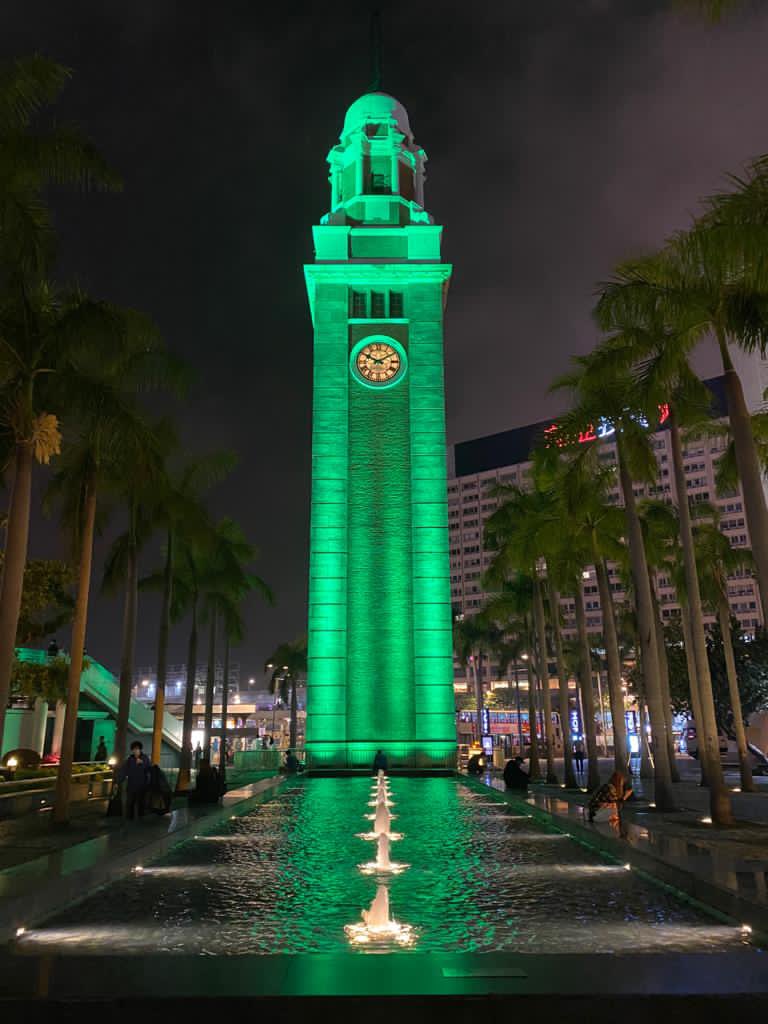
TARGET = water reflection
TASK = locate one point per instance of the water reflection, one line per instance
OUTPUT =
(285, 879)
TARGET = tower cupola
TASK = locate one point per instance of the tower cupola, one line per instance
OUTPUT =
(377, 170)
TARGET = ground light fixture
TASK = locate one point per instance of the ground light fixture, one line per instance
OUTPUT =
(21, 931)
(706, 821)
(627, 867)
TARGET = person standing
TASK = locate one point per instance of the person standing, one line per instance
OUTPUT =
(135, 772)
(380, 761)
(101, 751)
(578, 755)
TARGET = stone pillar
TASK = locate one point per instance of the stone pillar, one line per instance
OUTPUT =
(58, 727)
(39, 719)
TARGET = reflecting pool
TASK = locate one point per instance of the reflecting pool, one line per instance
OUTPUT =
(481, 876)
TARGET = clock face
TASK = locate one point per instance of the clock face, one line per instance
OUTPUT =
(378, 363)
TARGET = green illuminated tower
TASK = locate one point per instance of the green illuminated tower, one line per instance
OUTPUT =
(380, 649)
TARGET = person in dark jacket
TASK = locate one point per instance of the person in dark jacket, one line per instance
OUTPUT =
(380, 762)
(514, 776)
(135, 773)
(159, 792)
(291, 762)
(101, 750)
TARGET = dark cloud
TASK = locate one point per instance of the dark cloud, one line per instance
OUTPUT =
(562, 135)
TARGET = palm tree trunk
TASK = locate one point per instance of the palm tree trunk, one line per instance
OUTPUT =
(519, 710)
(294, 714)
(127, 655)
(693, 684)
(224, 709)
(210, 686)
(615, 692)
(662, 775)
(535, 770)
(77, 647)
(709, 749)
(162, 652)
(12, 584)
(185, 758)
(478, 694)
(647, 770)
(748, 466)
(543, 662)
(562, 679)
(661, 649)
(587, 693)
(724, 616)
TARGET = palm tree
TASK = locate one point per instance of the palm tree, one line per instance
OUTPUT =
(563, 677)
(227, 579)
(508, 650)
(288, 663)
(581, 485)
(614, 400)
(44, 338)
(112, 432)
(139, 490)
(719, 561)
(180, 512)
(660, 524)
(468, 642)
(656, 350)
(521, 531)
(38, 327)
(511, 609)
(32, 158)
(691, 289)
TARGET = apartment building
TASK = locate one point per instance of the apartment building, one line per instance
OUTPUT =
(504, 458)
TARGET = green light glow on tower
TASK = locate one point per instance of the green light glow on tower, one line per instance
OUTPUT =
(380, 647)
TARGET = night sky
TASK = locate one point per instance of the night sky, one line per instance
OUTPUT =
(563, 135)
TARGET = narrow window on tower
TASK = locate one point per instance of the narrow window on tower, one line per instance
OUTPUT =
(396, 305)
(359, 305)
(378, 311)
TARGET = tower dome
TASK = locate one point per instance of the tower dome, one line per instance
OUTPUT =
(377, 107)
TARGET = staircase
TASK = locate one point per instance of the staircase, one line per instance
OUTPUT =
(100, 685)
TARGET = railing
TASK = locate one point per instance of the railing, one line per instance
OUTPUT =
(260, 760)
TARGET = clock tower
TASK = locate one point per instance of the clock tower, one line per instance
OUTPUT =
(380, 672)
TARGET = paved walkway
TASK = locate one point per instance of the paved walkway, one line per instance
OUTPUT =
(32, 835)
(734, 860)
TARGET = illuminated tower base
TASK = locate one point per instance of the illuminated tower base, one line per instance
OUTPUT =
(380, 672)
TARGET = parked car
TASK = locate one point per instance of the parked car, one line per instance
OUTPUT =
(729, 754)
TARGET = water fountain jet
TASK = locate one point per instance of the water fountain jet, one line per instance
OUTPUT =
(382, 864)
(378, 926)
